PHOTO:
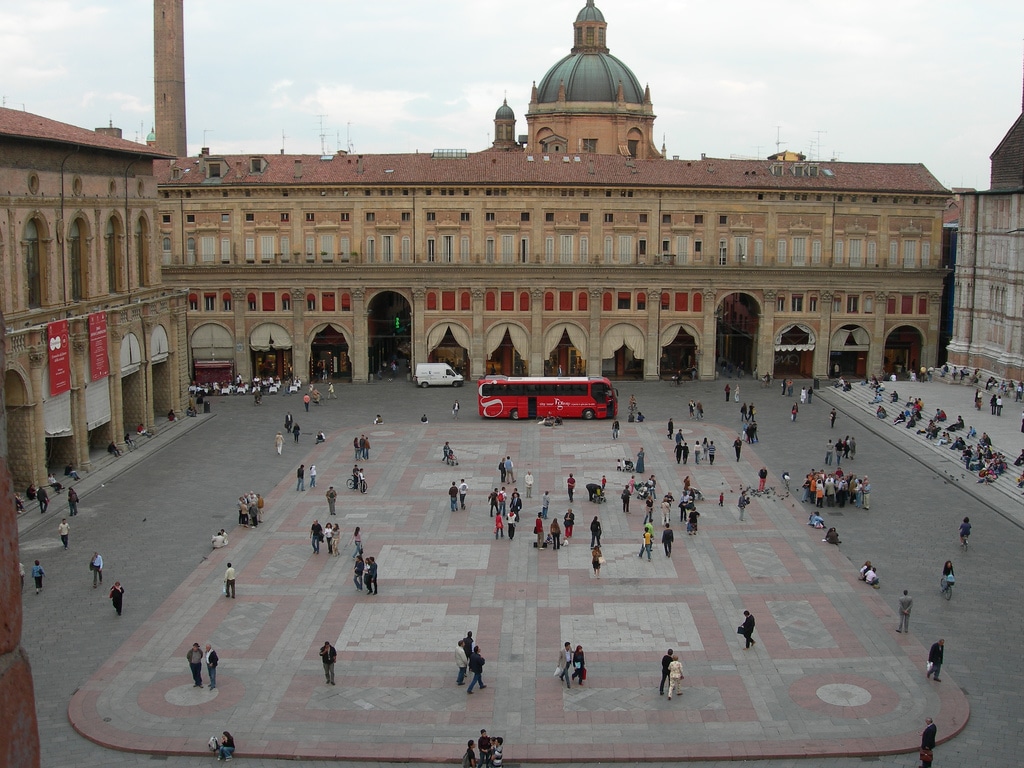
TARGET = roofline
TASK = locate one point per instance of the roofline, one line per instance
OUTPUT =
(143, 150)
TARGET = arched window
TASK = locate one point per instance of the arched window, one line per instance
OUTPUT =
(549, 301)
(641, 300)
(142, 251)
(431, 300)
(581, 301)
(606, 302)
(698, 302)
(524, 302)
(465, 301)
(112, 248)
(286, 302)
(33, 265)
(226, 298)
(490, 301)
(76, 262)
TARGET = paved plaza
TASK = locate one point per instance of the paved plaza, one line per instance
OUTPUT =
(828, 676)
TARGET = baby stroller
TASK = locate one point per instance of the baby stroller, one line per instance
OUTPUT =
(644, 491)
(450, 459)
(627, 465)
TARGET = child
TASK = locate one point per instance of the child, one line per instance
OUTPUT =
(721, 499)
(499, 526)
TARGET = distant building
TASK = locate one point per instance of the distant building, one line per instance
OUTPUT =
(576, 247)
(93, 339)
(989, 313)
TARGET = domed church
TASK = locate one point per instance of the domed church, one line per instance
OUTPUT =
(590, 101)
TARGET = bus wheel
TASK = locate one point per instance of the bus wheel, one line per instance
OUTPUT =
(588, 414)
(514, 414)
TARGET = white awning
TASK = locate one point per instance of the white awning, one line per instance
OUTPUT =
(212, 342)
(131, 354)
(496, 333)
(623, 333)
(576, 336)
(797, 330)
(437, 333)
(158, 346)
(268, 335)
(855, 339)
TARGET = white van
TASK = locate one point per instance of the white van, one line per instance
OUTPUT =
(437, 374)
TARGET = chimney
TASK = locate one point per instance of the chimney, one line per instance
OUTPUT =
(110, 130)
(359, 164)
(297, 173)
(204, 152)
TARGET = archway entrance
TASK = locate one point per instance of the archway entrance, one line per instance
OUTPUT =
(737, 319)
(389, 325)
(903, 350)
(623, 349)
(678, 354)
(449, 343)
(271, 348)
(19, 411)
(794, 351)
(328, 355)
(848, 352)
(565, 347)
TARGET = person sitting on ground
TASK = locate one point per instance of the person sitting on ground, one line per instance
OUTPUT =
(129, 441)
(864, 569)
(958, 444)
(112, 449)
(141, 431)
(52, 482)
(940, 415)
(894, 397)
(423, 419)
(985, 440)
(832, 537)
(19, 503)
(958, 425)
(881, 413)
(69, 471)
(220, 539)
(944, 438)
(901, 417)
(320, 437)
(170, 415)
(378, 420)
(876, 399)
(971, 432)
(639, 416)
(871, 577)
(1019, 461)
(815, 520)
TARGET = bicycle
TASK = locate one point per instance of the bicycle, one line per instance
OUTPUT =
(946, 588)
(351, 485)
(965, 542)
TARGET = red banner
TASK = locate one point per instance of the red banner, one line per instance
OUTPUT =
(60, 357)
(99, 359)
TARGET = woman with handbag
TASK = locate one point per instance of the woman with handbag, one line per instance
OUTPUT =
(579, 664)
(596, 560)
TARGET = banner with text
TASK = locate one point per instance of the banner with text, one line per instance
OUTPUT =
(60, 357)
(99, 358)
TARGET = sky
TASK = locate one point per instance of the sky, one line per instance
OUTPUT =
(936, 82)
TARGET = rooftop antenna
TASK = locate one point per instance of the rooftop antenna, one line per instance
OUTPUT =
(778, 138)
(348, 137)
(206, 131)
(817, 146)
(323, 136)
(283, 137)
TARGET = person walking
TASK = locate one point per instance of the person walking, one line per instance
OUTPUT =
(832, 419)
(279, 443)
(64, 530)
(675, 677)
(212, 660)
(935, 655)
(906, 603)
(229, 581)
(596, 559)
(329, 656)
(666, 660)
(595, 532)
(927, 743)
(371, 576)
(513, 516)
(461, 662)
(43, 498)
(316, 535)
(711, 452)
(312, 475)
(358, 571)
(667, 537)
(679, 451)
(565, 664)
(37, 576)
(463, 490)
(793, 412)
(615, 428)
(332, 498)
(72, 502)
(747, 629)
(300, 478)
(570, 485)
(455, 410)
(330, 392)
(579, 665)
(296, 431)
(195, 663)
(96, 566)
(476, 666)
(647, 543)
(737, 446)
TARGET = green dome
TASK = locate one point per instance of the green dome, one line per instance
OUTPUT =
(505, 112)
(151, 136)
(590, 77)
(590, 13)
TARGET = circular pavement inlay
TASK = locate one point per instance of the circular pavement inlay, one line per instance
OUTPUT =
(844, 695)
(189, 695)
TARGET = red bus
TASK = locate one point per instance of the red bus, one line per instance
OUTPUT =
(536, 397)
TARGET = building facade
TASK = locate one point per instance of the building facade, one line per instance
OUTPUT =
(989, 298)
(576, 248)
(92, 337)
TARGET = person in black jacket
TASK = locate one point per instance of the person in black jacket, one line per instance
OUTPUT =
(665, 661)
(927, 742)
(935, 660)
(747, 629)
(476, 666)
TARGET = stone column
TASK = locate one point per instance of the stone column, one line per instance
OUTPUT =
(652, 355)
(147, 370)
(177, 354)
(239, 308)
(79, 382)
(876, 355)
(114, 382)
(37, 444)
(766, 334)
(707, 364)
(358, 351)
(300, 351)
(419, 330)
(930, 348)
(536, 352)
(819, 368)
(478, 346)
(594, 358)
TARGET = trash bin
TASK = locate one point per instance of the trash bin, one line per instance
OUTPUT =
(206, 407)
(817, 384)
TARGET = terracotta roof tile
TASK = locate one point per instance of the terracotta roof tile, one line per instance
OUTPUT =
(25, 125)
(514, 168)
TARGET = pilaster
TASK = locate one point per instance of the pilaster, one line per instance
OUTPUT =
(594, 345)
(706, 362)
(79, 382)
(765, 360)
(652, 356)
(822, 352)
(536, 359)
(300, 350)
(419, 331)
(239, 308)
(358, 352)
(477, 343)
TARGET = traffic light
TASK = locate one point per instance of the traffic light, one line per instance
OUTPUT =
(398, 324)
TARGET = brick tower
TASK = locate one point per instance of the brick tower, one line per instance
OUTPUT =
(169, 76)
